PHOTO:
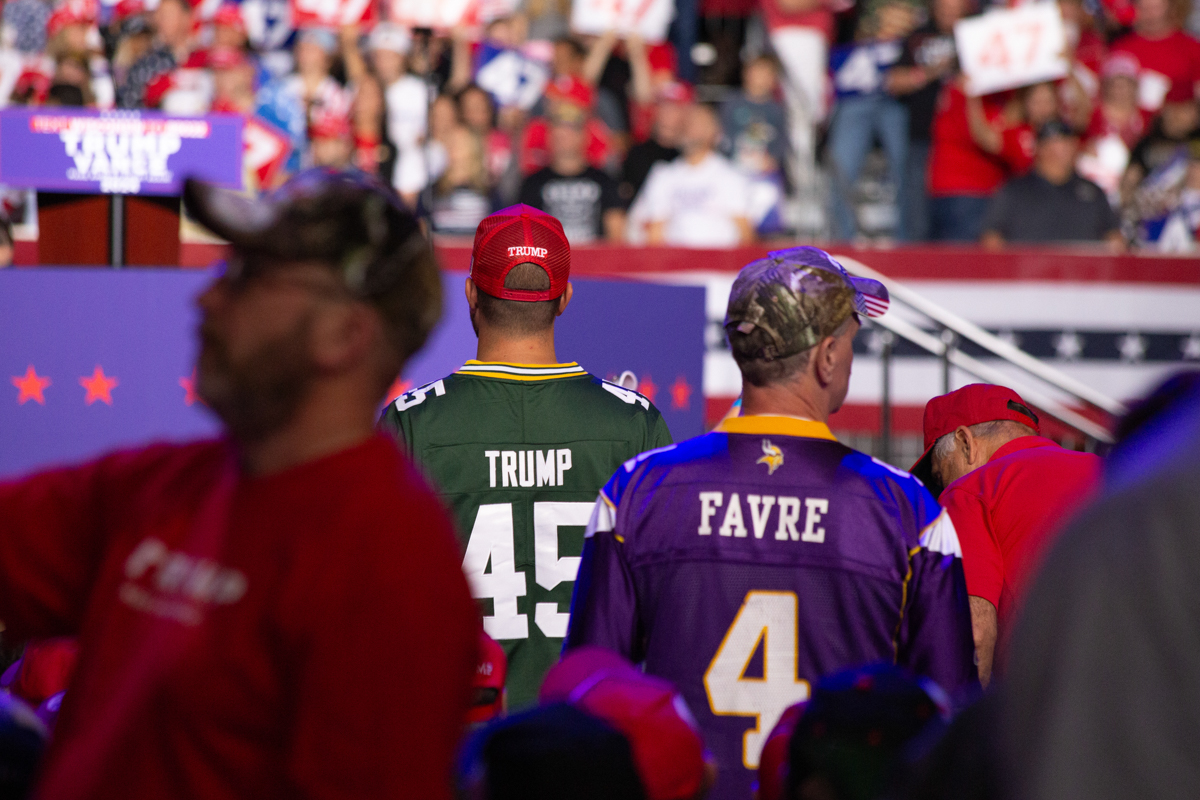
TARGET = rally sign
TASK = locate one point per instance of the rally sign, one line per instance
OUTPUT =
(647, 18)
(440, 14)
(126, 152)
(266, 150)
(332, 13)
(1005, 49)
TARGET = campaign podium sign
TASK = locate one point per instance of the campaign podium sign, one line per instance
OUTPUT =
(647, 18)
(84, 151)
(1008, 48)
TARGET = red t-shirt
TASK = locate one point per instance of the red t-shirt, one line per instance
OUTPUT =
(1006, 512)
(1175, 57)
(304, 634)
(535, 145)
(958, 166)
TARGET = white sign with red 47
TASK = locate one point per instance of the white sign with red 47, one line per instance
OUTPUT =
(1015, 47)
(332, 13)
(647, 18)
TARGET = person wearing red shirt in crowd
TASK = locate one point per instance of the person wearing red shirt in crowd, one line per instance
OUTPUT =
(280, 612)
(1117, 113)
(977, 144)
(570, 91)
(1007, 490)
(1165, 54)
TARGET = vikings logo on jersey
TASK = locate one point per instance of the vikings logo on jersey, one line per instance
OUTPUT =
(772, 457)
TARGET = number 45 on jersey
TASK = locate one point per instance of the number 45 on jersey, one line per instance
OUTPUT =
(493, 540)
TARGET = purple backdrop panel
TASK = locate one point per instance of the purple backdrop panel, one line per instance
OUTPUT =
(117, 152)
(92, 360)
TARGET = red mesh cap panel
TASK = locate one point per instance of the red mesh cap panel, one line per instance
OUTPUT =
(517, 235)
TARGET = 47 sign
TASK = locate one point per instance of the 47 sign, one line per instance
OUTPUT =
(1010, 48)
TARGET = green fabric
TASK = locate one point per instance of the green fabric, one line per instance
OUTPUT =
(448, 428)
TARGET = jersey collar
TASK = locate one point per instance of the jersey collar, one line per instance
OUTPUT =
(776, 425)
(521, 372)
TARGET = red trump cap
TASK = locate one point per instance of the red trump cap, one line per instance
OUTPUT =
(517, 235)
(970, 405)
(666, 743)
(490, 674)
(773, 763)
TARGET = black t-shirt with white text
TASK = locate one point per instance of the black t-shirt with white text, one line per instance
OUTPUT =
(578, 201)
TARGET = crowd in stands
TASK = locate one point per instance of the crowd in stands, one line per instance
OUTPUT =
(630, 141)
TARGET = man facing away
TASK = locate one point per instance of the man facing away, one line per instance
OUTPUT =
(1007, 489)
(254, 611)
(518, 444)
(745, 564)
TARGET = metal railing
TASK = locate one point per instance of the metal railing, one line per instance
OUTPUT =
(1036, 383)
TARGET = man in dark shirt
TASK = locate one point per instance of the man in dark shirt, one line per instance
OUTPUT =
(582, 197)
(1052, 203)
(663, 144)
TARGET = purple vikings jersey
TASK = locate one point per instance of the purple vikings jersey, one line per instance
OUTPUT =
(746, 564)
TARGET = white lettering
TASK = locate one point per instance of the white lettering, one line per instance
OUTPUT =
(527, 472)
(815, 507)
(564, 464)
(760, 521)
(534, 252)
(508, 468)
(733, 524)
(709, 503)
(545, 468)
(789, 514)
(492, 455)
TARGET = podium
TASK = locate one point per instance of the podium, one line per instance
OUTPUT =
(113, 229)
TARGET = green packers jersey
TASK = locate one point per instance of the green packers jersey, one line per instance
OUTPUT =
(519, 453)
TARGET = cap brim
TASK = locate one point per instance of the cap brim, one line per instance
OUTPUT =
(873, 299)
(923, 470)
(234, 217)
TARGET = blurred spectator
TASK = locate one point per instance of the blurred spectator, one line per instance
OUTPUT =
(851, 739)
(7, 242)
(229, 27)
(667, 747)
(1007, 490)
(663, 145)
(583, 198)
(312, 85)
(699, 199)
(566, 95)
(1160, 172)
(443, 119)
(1165, 54)
(977, 143)
(864, 110)
(74, 43)
(772, 764)
(331, 141)
(549, 753)
(1086, 52)
(1052, 203)
(1176, 124)
(460, 198)
(756, 138)
(1116, 125)
(406, 99)
(233, 81)
(1100, 698)
(800, 31)
(927, 61)
(478, 112)
(548, 19)
(172, 21)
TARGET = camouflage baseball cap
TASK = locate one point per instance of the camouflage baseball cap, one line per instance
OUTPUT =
(789, 301)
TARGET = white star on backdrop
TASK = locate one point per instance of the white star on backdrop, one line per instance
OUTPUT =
(1190, 347)
(1068, 345)
(1132, 347)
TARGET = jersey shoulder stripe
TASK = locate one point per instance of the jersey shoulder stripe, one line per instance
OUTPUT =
(633, 470)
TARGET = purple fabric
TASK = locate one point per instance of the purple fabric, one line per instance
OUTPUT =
(656, 589)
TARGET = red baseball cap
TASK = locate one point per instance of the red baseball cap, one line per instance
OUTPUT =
(517, 235)
(970, 405)
(490, 675)
(676, 92)
(570, 89)
(773, 763)
(230, 15)
(46, 669)
(666, 743)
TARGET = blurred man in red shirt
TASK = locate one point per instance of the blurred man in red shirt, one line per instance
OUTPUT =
(280, 612)
(1007, 490)
(1164, 53)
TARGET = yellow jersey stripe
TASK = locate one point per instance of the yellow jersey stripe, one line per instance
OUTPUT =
(776, 425)
(511, 377)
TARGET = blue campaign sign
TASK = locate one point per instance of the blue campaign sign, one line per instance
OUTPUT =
(94, 360)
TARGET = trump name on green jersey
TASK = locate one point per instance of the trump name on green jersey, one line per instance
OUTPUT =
(518, 453)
